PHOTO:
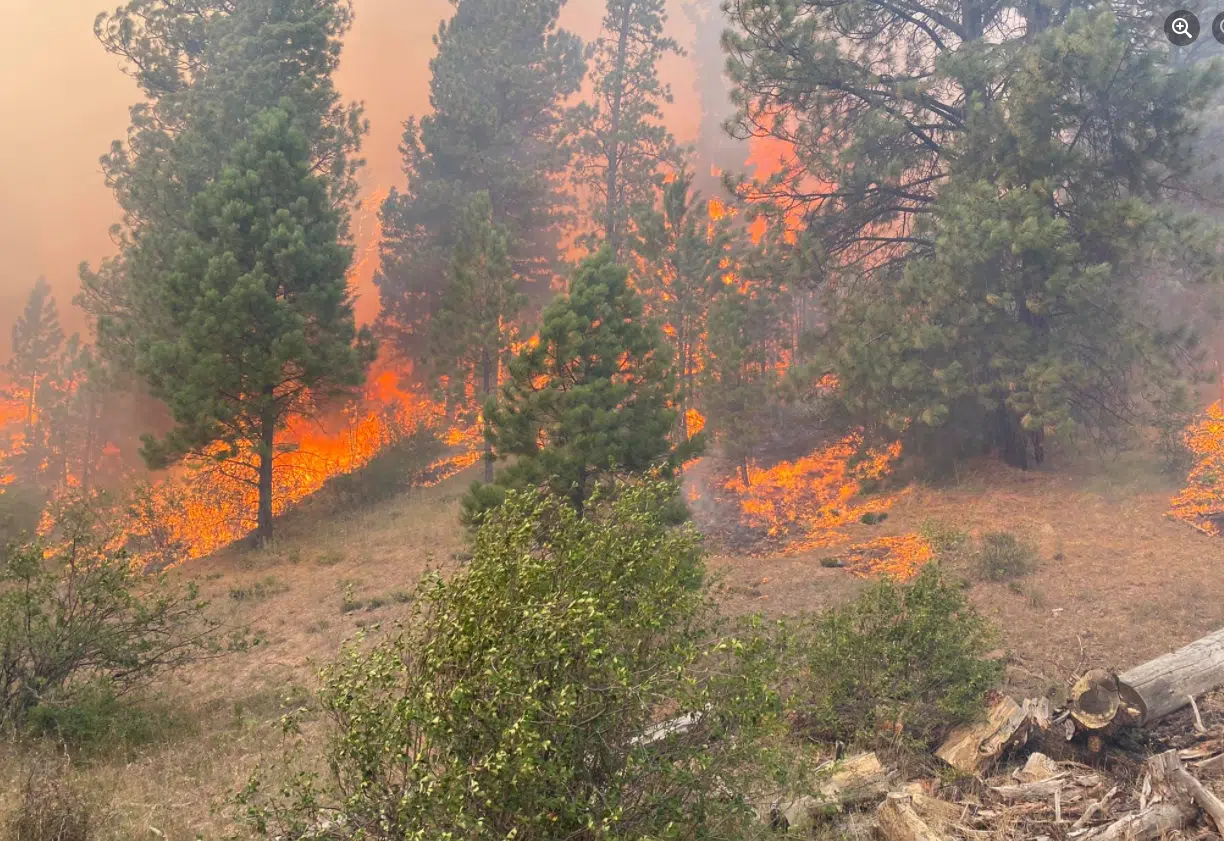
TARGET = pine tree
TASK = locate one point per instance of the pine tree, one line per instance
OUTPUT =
(622, 143)
(37, 339)
(593, 396)
(740, 379)
(255, 290)
(985, 211)
(681, 255)
(228, 295)
(499, 79)
(473, 324)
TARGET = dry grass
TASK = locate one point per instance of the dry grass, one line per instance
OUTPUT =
(1117, 583)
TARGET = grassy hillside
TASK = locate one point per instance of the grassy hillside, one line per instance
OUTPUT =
(1115, 582)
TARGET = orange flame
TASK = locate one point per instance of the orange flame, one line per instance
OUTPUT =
(1201, 503)
(899, 557)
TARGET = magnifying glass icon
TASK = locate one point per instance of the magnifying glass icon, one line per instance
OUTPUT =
(1182, 27)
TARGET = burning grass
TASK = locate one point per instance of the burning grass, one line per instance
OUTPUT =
(1201, 503)
(804, 504)
(900, 557)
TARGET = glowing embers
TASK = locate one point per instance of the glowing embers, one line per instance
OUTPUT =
(804, 504)
(899, 557)
(1201, 504)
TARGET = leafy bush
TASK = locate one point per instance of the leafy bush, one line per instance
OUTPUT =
(391, 471)
(908, 653)
(50, 809)
(94, 719)
(1002, 556)
(78, 614)
(520, 703)
(942, 536)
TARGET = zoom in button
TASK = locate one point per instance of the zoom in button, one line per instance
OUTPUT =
(1182, 28)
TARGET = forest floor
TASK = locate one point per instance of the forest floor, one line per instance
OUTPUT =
(1117, 583)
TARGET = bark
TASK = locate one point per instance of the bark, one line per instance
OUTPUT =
(973, 748)
(611, 234)
(1176, 790)
(267, 436)
(486, 388)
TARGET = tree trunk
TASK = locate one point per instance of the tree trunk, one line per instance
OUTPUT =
(267, 440)
(486, 387)
(743, 466)
(611, 234)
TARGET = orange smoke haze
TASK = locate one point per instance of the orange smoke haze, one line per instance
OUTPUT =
(65, 100)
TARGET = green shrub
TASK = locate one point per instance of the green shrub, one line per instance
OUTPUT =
(909, 653)
(78, 613)
(942, 536)
(391, 471)
(260, 590)
(1002, 556)
(516, 703)
(50, 809)
(94, 719)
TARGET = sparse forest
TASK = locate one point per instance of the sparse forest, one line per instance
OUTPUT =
(738, 419)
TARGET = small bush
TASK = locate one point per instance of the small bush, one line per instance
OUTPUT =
(516, 702)
(260, 590)
(942, 536)
(50, 809)
(77, 613)
(909, 653)
(93, 719)
(1002, 557)
(390, 472)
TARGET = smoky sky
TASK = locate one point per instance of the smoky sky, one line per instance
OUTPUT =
(63, 100)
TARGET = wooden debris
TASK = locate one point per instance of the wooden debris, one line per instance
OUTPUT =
(1166, 803)
(1100, 807)
(1038, 767)
(1214, 765)
(853, 780)
(1039, 790)
(973, 748)
(1184, 783)
(899, 821)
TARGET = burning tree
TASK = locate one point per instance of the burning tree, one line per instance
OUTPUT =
(594, 395)
(621, 140)
(987, 184)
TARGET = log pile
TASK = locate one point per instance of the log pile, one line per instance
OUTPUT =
(1010, 789)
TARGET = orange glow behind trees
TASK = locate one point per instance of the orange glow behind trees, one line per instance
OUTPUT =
(1201, 503)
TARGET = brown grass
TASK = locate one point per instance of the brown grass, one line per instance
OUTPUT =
(1116, 583)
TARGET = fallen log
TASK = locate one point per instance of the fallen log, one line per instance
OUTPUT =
(1185, 784)
(1152, 690)
(852, 781)
(898, 821)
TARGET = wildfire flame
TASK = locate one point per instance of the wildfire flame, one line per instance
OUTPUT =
(899, 557)
(1201, 503)
(806, 502)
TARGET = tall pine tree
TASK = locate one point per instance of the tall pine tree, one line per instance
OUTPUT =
(594, 395)
(477, 310)
(682, 257)
(256, 291)
(499, 81)
(228, 295)
(37, 339)
(622, 143)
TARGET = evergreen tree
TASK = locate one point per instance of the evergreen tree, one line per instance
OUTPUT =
(621, 140)
(206, 69)
(37, 340)
(230, 85)
(499, 79)
(593, 396)
(740, 379)
(682, 253)
(262, 316)
(473, 324)
(985, 210)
